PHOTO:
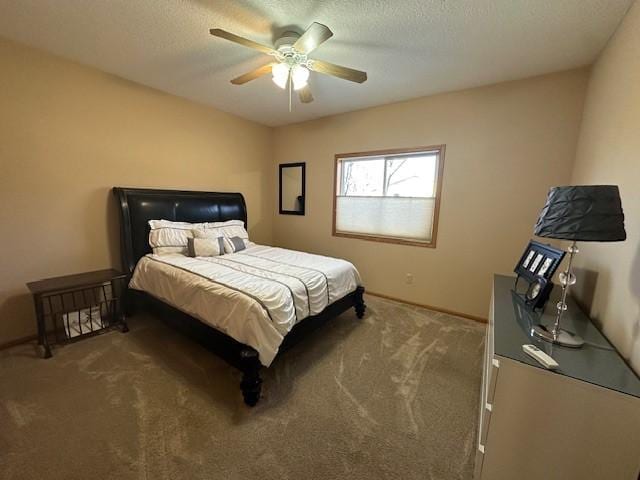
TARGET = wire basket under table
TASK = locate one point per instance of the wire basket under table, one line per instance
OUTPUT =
(68, 314)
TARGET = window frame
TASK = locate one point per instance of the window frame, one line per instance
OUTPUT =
(440, 149)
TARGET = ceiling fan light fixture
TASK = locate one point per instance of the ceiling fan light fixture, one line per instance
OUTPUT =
(300, 76)
(290, 64)
(280, 73)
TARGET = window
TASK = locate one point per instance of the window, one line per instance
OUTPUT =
(390, 196)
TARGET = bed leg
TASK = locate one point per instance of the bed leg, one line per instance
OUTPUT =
(128, 302)
(251, 383)
(359, 305)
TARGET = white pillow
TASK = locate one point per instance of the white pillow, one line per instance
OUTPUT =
(209, 233)
(171, 224)
(226, 223)
(167, 237)
(230, 228)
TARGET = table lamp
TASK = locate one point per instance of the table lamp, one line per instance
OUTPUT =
(587, 213)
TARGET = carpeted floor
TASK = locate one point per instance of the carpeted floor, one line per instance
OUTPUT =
(392, 396)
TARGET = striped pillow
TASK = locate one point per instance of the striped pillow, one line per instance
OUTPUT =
(171, 224)
(228, 229)
(234, 244)
(166, 236)
(205, 247)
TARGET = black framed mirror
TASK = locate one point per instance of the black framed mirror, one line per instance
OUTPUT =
(292, 188)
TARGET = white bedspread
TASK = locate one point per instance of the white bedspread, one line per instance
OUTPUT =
(255, 296)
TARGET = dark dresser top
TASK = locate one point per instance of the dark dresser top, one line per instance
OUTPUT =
(597, 362)
(79, 280)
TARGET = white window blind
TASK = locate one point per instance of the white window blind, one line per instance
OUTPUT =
(391, 196)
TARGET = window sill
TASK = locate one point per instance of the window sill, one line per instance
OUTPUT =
(394, 240)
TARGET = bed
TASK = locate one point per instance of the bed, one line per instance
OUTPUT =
(248, 306)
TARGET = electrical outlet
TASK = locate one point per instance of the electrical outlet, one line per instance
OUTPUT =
(409, 279)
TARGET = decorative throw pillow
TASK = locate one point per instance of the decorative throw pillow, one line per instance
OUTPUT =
(234, 244)
(212, 236)
(205, 247)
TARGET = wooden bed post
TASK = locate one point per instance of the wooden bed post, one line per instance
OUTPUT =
(251, 383)
(359, 302)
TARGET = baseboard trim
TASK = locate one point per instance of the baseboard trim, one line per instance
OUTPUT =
(475, 318)
(30, 338)
(18, 341)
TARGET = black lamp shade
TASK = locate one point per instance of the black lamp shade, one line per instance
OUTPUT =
(588, 213)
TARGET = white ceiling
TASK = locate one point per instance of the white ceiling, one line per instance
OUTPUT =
(410, 48)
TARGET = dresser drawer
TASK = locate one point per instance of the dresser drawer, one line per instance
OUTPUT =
(490, 373)
(486, 420)
(477, 470)
(493, 369)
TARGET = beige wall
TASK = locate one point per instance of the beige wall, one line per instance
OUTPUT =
(69, 133)
(506, 145)
(609, 153)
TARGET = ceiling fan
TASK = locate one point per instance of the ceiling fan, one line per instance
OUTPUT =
(291, 65)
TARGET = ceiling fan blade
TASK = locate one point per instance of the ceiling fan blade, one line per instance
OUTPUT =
(338, 71)
(252, 75)
(314, 36)
(305, 95)
(216, 32)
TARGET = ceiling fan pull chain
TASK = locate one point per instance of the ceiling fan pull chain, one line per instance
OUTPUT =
(289, 93)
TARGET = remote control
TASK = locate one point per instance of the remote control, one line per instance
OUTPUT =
(542, 358)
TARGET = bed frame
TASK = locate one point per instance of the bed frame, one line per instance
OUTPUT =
(137, 206)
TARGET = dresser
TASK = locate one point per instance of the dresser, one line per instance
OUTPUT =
(581, 421)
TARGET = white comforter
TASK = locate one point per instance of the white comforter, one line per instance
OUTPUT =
(255, 296)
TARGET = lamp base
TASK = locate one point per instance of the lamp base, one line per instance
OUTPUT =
(564, 338)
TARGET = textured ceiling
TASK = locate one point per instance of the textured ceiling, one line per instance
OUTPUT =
(409, 48)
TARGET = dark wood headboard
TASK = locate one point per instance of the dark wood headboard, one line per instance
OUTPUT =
(139, 205)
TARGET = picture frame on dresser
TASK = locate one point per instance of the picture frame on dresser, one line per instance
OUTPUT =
(534, 257)
(537, 265)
